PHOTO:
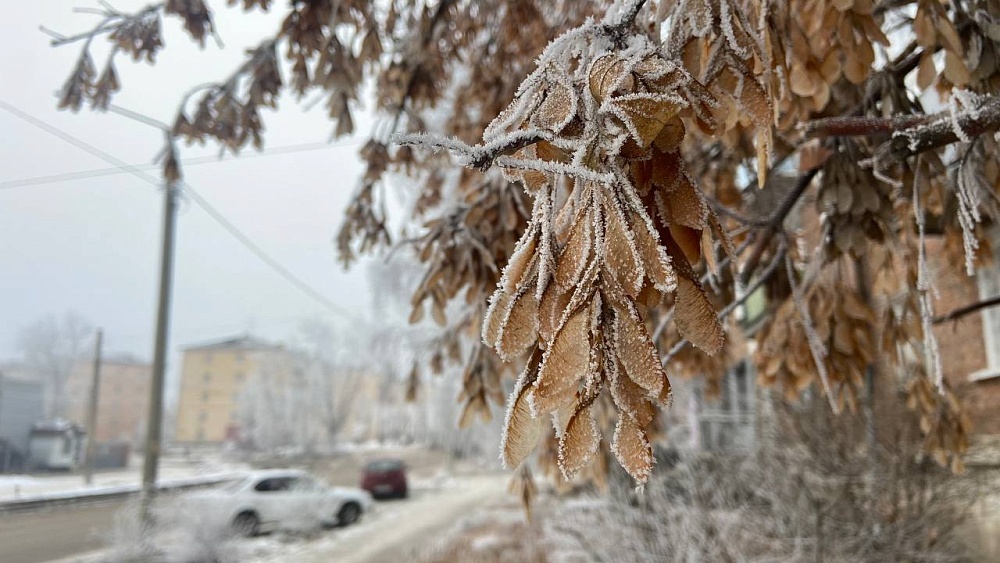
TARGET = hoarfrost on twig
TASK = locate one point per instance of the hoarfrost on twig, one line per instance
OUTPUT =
(932, 355)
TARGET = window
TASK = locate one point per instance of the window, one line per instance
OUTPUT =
(204, 396)
(274, 485)
(988, 280)
(239, 356)
(202, 416)
(207, 377)
(726, 422)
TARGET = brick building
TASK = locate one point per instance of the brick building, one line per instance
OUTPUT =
(123, 398)
(970, 346)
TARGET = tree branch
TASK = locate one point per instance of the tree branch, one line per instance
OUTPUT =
(914, 134)
(618, 29)
(948, 128)
(774, 224)
(960, 312)
(902, 65)
(862, 125)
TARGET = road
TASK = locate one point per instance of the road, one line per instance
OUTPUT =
(394, 531)
(61, 532)
(400, 535)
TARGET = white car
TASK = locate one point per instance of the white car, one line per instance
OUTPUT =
(279, 499)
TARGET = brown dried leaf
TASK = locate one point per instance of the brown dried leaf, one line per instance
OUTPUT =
(521, 430)
(671, 135)
(637, 354)
(685, 204)
(564, 364)
(632, 448)
(629, 397)
(645, 115)
(656, 261)
(557, 109)
(688, 240)
(574, 256)
(493, 322)
(519, 261)
(621, 255)
(926, 72)
(578, 443)
(520, 326)
(550, 310)
(954, 69)
(695, 318)
(607, 74)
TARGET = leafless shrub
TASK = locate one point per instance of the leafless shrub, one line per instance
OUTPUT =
(819, 487)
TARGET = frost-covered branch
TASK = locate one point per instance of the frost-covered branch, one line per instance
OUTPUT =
(862, 125)
(914, 134)
(480, 157)
(617, 24)
(111, 22)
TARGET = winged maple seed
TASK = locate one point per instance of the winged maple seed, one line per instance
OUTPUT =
(841, 321)
(617, 224)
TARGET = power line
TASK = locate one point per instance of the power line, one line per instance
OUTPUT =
(197, 198)
(100, 172)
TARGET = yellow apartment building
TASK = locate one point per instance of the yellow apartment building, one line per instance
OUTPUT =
(123, 398)
(213, 376)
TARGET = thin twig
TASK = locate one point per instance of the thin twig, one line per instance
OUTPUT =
(960, 312)
(724, 313)
(775, 224)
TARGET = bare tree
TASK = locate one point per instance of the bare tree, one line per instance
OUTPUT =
(305, 398)
(50, 346)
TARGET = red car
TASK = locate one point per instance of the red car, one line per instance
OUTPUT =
(385, 478)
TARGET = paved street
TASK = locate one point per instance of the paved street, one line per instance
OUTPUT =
(35, 537)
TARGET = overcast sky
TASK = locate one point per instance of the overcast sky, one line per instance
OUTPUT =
(92, 245)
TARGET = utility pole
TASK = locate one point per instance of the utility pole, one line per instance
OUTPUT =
(95, 385)
(154, 426)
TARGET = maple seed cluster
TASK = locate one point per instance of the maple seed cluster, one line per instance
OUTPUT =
(617, 226)
(841, 321)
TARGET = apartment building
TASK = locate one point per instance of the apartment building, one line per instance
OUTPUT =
(213, 376)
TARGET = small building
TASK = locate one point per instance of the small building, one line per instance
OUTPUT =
(22, 404)
(56, 445)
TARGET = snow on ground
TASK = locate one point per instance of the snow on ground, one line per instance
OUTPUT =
(61, 485)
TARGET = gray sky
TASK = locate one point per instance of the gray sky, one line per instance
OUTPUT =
(92, 245)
